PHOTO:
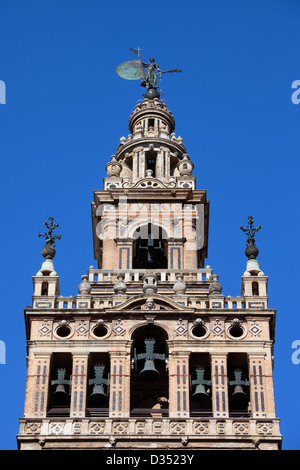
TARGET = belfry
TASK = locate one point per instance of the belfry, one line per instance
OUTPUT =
(151, 352)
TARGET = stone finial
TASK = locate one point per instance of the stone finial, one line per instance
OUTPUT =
(180, 286)
(120, 286)
(113, 167)
(84, 287)
(149, 283)
(215, 288)
(185, 166)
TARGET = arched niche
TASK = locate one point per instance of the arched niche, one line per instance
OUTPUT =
(150, 247)
(149, 374)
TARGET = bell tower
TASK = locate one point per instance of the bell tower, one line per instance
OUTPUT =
(150, 352)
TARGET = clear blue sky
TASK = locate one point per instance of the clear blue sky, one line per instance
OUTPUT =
(66, 109)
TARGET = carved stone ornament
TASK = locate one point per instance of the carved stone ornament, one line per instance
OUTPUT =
(84, 287)
(150, 305)
(120, 287)
(180, 285)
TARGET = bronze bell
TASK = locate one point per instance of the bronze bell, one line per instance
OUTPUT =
(238, 390)
(200, 392)
(200, 382)
(60, 382)
(149, 372)
(238, 382)
(98, 382)
(60, 389)
(98, 390)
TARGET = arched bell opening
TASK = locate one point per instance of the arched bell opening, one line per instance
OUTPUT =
(150, 248)
(238, 385)
(98, 385)
(255, 290)
(44, 290)
(200, 385)
(150, 156)
(59, 398)
(149, 375)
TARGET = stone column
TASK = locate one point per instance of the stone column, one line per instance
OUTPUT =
(175, 253)
(119, 400)
(37, 385)
(179, 406)
(219, 385)
(261, 386)
(109, 244)
(124, 253)
(190, 246)
(79, 385)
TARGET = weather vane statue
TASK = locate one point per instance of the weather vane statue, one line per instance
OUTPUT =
(134, 70)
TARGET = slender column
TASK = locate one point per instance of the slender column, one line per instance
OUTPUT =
(124, 247)
(190, 246)
(37, 387)
(109, 244)
(79, 385)
(175, 253)
(119, 400)
(261, 386)
(179, 406)
(219, 385)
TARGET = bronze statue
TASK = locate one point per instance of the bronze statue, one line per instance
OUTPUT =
(134, 70)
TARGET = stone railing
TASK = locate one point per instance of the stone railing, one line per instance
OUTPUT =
(130, 428)
(136, 275)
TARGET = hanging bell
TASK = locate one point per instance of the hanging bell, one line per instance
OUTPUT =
(98, 390)
(149, 372)
(238, 391)
(60, 389)
(200, 392)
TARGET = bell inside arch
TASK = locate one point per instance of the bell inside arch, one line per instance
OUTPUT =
(149, 372)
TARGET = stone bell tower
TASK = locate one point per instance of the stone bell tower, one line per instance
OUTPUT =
(150, 353)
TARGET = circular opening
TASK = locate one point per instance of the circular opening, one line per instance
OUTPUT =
(236, 331)
(199, 331)
(100, 331)
(63, 331)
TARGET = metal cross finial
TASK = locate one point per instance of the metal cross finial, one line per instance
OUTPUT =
(49, 236)
(136, 51)
(250, 230)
